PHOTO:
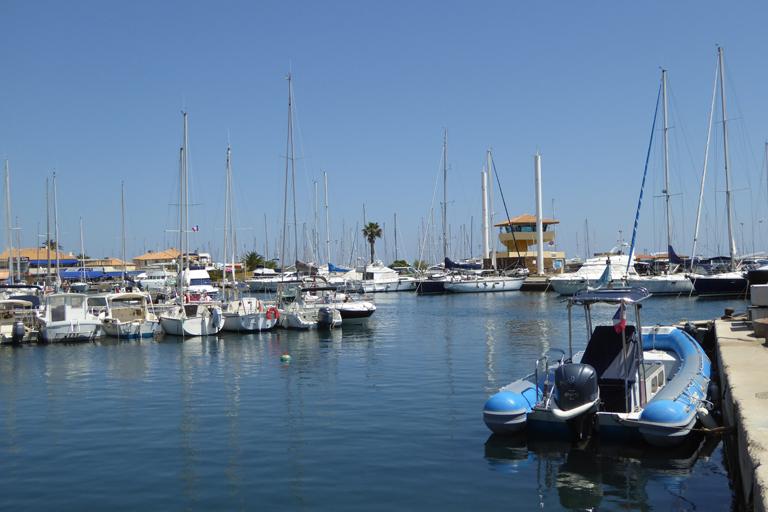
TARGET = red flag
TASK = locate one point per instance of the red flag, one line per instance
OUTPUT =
(620, 319)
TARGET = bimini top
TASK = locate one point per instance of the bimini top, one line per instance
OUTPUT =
(610, 296)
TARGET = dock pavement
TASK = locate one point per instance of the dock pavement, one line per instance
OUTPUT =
(743, 365)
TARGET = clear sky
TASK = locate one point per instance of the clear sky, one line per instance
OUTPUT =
(95, 90)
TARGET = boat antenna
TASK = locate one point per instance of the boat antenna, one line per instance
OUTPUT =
(642, 186)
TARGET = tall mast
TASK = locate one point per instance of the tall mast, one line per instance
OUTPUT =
(231, 221)
(48, 230)
(396, 237)
(327, 225)
(287, 173)
(8, 214)
(180, 278)
(704, 172)
(445, 194)
(186, 187)
(731, 244)
(82, 249)
(484, 192)
(666, 156)
(226, 218)
(491, 241)
(122, 204)
(56, 229)
(315, 239)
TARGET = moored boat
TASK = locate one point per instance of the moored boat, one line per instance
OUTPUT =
(630, 381)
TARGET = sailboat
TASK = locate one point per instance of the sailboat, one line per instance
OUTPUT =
(668, 283)
(129, 314)
(484, 282)
(241, 314)
(188, 318)
(734, 282)
(434, 284)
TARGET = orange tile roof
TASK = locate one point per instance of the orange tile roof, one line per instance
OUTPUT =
(526, 219)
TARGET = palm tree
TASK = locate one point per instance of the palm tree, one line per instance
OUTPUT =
(253, 260)
(51, 244)
(371, 232)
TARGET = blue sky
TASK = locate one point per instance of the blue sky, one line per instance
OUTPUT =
(95, 91)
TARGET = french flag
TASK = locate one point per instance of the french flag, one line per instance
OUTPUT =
(620, 319)
(195, 229)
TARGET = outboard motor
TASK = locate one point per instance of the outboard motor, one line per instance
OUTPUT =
(18, 331)
(577, 399)
(324, 318)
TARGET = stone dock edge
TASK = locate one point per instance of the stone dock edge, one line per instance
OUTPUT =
(743, 367)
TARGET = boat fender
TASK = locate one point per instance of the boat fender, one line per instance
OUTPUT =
(705, 418)
(186, 297)
(276, 311)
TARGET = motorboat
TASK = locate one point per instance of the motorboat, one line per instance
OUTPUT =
(296, 313)
(155, 280)
(378, 278)
(66, 317)
(18, 320)
(725, 284)
(354, 309)
(629, 381)
(592, 270)
(130, 315)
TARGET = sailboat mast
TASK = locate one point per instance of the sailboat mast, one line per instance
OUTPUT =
(180, 270)
(82, 250)
(8, 214)
(445, 194)
(484, 202)
(122, 204)
(56, 228)
(226, 217)
(704, 172)
(491, 241)
(186, 187)
(666, 156)
(287, 173)
(731, 244)
(327, 225)
(48, 230)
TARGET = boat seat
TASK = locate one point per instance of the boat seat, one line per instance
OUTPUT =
(604, 354)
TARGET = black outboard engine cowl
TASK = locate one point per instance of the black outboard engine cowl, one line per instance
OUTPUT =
(576, 386)
(324, 318)
(18, 331)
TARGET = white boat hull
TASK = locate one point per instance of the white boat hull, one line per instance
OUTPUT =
(82, 330)
(207, 322)
(674, 284)
(135, 329)
(486, 285)
(250, 322)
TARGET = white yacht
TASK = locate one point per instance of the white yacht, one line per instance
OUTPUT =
(156, 279)
(377, 278)
(66, 317)
(130, 315)
(591, 271)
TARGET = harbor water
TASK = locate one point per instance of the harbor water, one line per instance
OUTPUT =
(385, 417)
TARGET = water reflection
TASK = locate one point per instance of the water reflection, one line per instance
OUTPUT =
(587, 475)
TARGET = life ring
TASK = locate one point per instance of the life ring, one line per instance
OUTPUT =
(186, 297)
(269, 313)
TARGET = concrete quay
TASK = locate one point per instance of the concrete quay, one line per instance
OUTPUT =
(743, 368)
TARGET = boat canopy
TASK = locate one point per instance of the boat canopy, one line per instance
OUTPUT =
(610, 296)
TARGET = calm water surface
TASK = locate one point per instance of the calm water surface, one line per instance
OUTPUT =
(383, 417)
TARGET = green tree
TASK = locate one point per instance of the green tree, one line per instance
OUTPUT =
(399, 263)
(371, 232)
(51, 244)
(254, 260)
(419, 265)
